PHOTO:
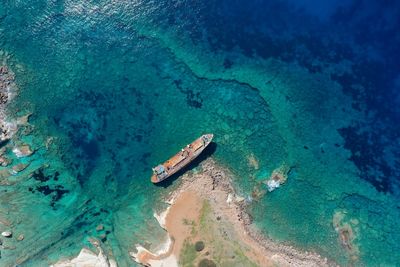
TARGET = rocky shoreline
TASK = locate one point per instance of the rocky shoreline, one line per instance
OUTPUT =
(19, 170)
(10, 150)
(8, 90)
(214, 184)
(220, 179)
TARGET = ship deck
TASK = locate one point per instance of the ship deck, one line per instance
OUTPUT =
(182, 158)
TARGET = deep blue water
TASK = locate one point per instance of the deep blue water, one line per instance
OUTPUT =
(122, 85)
(317, 36)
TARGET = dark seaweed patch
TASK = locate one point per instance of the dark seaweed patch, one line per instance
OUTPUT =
(193, 99)
(366, 153)
(56, 193)
(40, 176)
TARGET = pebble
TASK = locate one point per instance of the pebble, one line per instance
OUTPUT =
(6, 234)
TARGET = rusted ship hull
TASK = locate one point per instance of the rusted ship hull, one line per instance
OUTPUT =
(181, 159)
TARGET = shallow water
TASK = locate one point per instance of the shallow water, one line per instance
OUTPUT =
(121, 86)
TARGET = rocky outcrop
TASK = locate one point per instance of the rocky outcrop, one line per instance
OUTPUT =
(347, 230)
(4, 161)
(87, 257)
(277, 178)
(7, 92)
(214, 182)
(22, 151)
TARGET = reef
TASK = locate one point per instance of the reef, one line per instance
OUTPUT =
(347, 234)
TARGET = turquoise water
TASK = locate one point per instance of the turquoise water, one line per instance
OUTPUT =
(121, 86)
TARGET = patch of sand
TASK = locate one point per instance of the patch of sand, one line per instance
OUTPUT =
(186, 209)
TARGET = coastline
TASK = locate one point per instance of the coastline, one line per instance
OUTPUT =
(87, 257)
(213, 185)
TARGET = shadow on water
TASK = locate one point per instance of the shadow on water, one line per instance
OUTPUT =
(208, 151)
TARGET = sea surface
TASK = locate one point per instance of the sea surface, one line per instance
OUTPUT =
(116, 87)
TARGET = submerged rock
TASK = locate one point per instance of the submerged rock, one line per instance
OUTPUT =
(19, 167)
(5, 222)
(347, 234)
(22, 151)
(252, 161)
(23, 120)
(4, 174)
(20, 237)
(4, 162)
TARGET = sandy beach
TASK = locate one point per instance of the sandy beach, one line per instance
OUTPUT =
(208, 225)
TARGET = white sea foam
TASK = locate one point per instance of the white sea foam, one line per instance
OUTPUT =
(161, 218)
(272, 185)
(160, 257)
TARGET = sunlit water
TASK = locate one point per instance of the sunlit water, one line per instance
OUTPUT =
(122, 86)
